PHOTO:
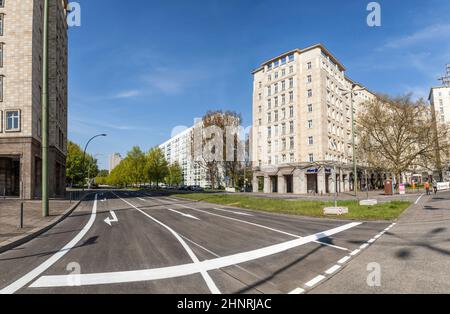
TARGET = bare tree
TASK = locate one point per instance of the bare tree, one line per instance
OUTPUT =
(398, 134)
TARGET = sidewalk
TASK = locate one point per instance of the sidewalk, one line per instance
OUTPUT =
(414, 256)
(10, 217)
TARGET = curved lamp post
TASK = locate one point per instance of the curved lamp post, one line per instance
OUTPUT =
(84, 154)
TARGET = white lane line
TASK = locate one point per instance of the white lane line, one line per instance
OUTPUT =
(333, 246)
(141, 199)
(187, 269)
(297, 291)
(253, 224)
(371, 240)
(344, 260)
(315, 281)
(233, 212)
(231, 218)
(362, 247)
(355, 252)
(418, 200)
(180, 213)
(333, 269)
(211, 285)
(20, 283)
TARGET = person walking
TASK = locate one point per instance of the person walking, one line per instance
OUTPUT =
(435, 187)
(427, 187)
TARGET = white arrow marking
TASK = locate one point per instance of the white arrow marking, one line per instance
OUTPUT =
(185, 215)
(109, 221)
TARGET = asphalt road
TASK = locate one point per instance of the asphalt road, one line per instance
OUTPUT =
(159, 244)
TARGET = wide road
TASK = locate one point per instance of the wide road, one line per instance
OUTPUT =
(137, 242)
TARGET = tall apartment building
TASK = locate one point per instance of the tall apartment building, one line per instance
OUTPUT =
(302, 123)
(114, 161)
(440, 102)
(178, 149)
(21, 27)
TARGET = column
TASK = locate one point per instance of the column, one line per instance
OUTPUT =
(267, 185)
(281, 185)
(321, 181)
(299, 182)
(255, 183)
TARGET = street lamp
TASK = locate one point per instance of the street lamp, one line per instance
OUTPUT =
(84, 154)
(352, 92)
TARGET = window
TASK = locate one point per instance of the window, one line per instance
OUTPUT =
(13, 120)
(309, 65)
(291, 69)
(309, 78)
(276, 64)
(291, 83)
(259, 122)
(283, 72)
(39, 128)
(283, 85)
(310, 108)
(291, 158)
(283, 99)
(291, 96)
(2, 17)
(310, 93)
(291, 143)
(259, 96)
(291, 58)
(269, 91)
(269, 117)
(283, 129)
(311, 157)
(310, 140)
(291, 112)
(284, 147)
(269, 104)
(269, 132)
(276, 102)
(1, 87)
(276, 88)
(2, 3)
(1, 54)
(283, 60)
(291, 127)
(310, 124)
(276, 115)
(276, 75)
(269, 78)
(259, 109)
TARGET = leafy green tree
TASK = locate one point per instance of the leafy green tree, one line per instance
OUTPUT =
(157, 166)
(175, 174)
(74, 164)
(135, 164)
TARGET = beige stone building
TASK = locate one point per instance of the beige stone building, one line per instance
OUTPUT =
(21, 27)
(302, 123)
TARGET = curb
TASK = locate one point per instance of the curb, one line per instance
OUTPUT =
(19, 240)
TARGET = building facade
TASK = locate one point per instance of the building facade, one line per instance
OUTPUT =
(302, 123)
(114, 161)
(440, 105)
(21, 24)
(178, 149)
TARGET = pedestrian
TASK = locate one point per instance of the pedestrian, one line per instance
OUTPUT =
(435, 187)
(427, 187)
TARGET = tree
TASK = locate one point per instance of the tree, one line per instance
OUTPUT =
(175, 174)
(218, 135)
(157, 166)
(74, 164)
(135, 163)
(398, 135)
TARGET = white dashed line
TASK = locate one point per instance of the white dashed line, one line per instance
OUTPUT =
(315, 281)
(344, 260)
(333, 269)
(371, 241)
(297, 291)
(362, 247)
(355, 252)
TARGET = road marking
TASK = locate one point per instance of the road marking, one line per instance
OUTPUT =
(232, 212)
(254, 224)
(185, 215)
(231, 218)
(371, 240)
(333, 269)
(297, 291)
(355, 252)
(315, 281)
(109, 221)
(141, 199)
(188, 269)
(19, 284)
(362, 247)
(417, 202)
(210, 283)
(344, 260)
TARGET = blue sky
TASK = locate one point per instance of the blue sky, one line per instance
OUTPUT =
(139, 68)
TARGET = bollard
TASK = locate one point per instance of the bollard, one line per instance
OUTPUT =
(21, 215)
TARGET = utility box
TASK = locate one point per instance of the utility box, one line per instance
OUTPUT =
(388, 187)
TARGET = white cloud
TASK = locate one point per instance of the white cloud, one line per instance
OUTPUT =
(432, 32)
(128, 94)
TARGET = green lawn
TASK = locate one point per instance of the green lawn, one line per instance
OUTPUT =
(386, 211)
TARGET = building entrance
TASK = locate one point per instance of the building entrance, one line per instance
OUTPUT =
(10, 176)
